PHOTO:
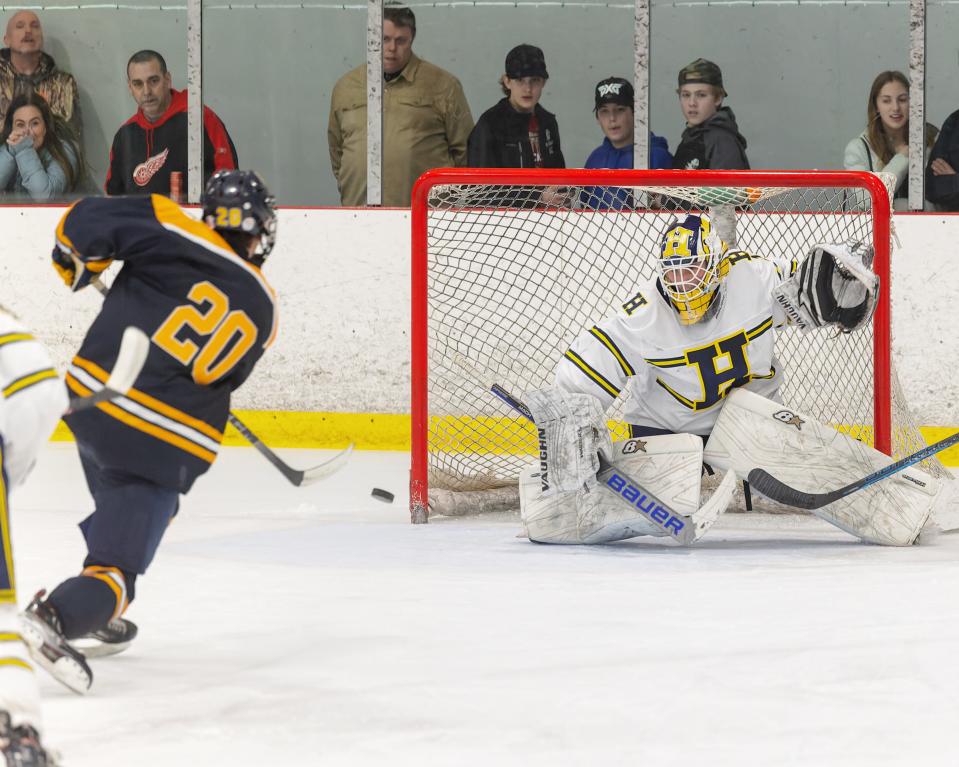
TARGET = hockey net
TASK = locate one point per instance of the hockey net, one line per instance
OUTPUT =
(510, 266)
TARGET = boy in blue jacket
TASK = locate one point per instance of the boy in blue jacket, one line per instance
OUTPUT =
(614, 113)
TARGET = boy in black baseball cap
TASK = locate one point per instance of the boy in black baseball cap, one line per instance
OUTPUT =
(518, 132)
(613, 107)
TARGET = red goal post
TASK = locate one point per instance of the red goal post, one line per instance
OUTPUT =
(496, 263)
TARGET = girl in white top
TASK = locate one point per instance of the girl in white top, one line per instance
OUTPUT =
(884, 145)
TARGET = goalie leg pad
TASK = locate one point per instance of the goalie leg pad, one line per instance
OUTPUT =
(669, 466)
(754, 432)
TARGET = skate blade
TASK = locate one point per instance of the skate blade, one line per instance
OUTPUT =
(94, 648)
(66, 670)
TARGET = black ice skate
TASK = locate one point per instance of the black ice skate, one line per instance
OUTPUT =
(113, 638)
(21, 747)
(48, 646)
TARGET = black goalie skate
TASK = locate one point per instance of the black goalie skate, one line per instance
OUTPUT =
(48, 646)
(113, 638)
(21, 747)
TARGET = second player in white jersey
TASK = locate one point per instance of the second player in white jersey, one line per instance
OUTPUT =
(683, 341)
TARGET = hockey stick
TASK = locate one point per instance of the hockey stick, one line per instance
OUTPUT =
(768, 485)
(134, 347)
(683, 528)
(295, 476)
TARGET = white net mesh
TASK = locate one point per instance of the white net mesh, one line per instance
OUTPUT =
(512, 280)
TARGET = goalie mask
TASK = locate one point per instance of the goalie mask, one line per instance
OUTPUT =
(691, 266)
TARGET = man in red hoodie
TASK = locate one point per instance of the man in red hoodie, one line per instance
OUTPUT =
(153, 143)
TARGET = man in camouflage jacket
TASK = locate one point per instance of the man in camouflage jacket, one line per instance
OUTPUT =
(25, 67)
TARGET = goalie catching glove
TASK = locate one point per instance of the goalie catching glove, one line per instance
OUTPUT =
(833, 286)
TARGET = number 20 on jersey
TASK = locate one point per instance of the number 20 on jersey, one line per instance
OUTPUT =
(226, 335)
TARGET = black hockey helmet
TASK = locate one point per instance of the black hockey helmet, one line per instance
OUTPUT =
(238, 201)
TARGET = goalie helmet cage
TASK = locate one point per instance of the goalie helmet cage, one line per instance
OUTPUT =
(506, 273)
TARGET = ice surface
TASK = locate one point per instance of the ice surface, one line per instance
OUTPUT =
(315, 626)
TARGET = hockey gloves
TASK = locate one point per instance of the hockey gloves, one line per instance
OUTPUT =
(75, 272)
(833, 286)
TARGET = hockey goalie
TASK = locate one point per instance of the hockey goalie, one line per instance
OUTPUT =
(698, 345)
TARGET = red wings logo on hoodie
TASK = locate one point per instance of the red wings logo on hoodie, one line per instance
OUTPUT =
(147, 169)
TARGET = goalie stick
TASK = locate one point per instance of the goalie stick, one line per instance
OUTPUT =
(764, 482)
(683, 528)
(296, 477)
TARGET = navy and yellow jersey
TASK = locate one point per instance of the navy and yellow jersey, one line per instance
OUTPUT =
(679, 374)
(210, 316)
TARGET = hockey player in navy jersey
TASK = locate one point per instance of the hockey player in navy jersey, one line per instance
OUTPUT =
(196, 289)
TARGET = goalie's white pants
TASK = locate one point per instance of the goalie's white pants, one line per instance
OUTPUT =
(668, 466)
(754, 432)
(19, 692)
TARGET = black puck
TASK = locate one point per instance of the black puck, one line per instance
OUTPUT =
(382, 495)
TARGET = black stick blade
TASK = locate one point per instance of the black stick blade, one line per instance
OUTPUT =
(763, 482)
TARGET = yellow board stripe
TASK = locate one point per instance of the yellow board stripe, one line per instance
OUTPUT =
(606, 341)
(391, 431)
(592, 374)
(154, 404)
(12, 338)
(135, 422)
(16, 662)
(10, 636)
(25, 382)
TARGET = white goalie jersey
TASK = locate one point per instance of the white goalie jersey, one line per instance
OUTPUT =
(681, 373)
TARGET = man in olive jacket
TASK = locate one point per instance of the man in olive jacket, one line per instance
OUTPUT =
(426, 119)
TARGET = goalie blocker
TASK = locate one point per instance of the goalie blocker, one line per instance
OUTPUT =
(573, 494)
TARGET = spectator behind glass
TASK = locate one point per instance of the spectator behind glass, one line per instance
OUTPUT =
(153, 143)
(614, 112)
(517, 132)
(426, 118)
(712, 139)
(942, 182)
(38, 159)
(25, 68)
(884, 145)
